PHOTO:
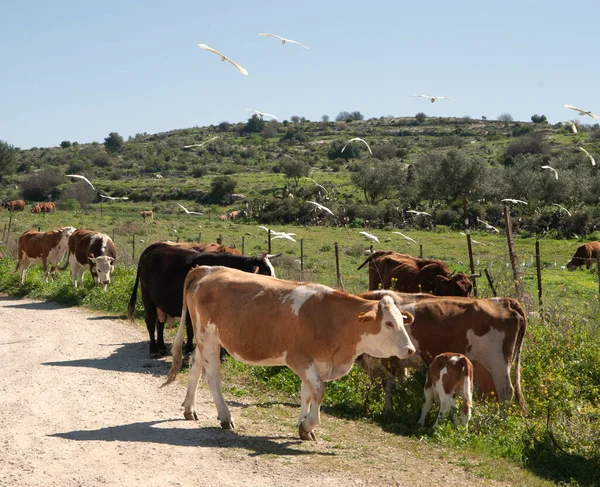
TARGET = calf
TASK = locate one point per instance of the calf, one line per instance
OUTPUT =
(147, 214)
(314, 330)
(15, 205)
(449, 375)
(585, 255)
(93, 251)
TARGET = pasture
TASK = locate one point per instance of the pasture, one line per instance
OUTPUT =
(560, 440)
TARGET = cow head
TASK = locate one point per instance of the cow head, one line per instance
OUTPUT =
(386, 335)
(101, 269)
(453, 285)
(583, 256)
(264, 264)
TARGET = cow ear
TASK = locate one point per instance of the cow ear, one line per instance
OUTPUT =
(255, 269)
(111, 259)
(367, 316)
(441, 278)
(92, 259)
(407, 317)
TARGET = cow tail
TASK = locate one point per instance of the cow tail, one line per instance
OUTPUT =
(66, 264)
(133, 299)
(517, 360)
(467, 392)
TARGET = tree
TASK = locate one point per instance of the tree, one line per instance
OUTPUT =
(295, 118)
(356, 115)
(342, 116)
(114, 142)
(505, 117)
(381, 181)
(539, 118)
(383, 151)
(221, 188)
(42, 185)
(325, 118)
(65, 143)
(335, 151)
(420, 117)
(224, 127)
(7, 159)
(295, 169)
(255, 125)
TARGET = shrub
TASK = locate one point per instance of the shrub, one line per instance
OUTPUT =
(383, 151)
(449, 140)
(539, 118)
(224, 127)
(505, 117)
(81, 192)
(42, 185)
(527, 144)
(65, 143)
(68, 204)
(114, 142)
(420, 117)
(222, 187)
(255, 125)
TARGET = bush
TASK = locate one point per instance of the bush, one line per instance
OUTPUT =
(420, 117)
(449, 140)
(539, 118)
(222, 187)
(527, 144)
(69, 204)
(81, 192)
(255, 125)
(383, 151)
(224, 127)
(505, 117)
(114, 142)
(65, 143)
(41, 186)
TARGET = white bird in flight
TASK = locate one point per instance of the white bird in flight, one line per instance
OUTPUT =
(562, 208)
(81, 177)
(321, 207)
(418, 212)
(589, 155)
(511, 200)
(200, 145)
(433, 98)
(405, 237)
(369, 236)
(472, 239)
(553, 170)
(583, 112)
(223, 58)
(273, 232)
(488, 226)
(572, 125)
(188, 211)
(114, 197)
(261, 114)
(287, 236)
(318, 185)
(359, 139)
(283, 39)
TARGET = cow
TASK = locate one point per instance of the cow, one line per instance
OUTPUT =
(314, 330)
(586, 255)
(206, 247)
(93, 251)
(147, 214)
(448, 376)
(14, 205)
(414, 275)
(47, 207)
(223, 218)
(161, 273)
(45, 247)
(489, 332)
(36, 208)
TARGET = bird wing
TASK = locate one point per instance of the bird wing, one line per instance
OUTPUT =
(406, 237)
(586, 152)
(296, 42)
(365, 142)
(239, 68)
(271, 35)
(193, 145)
(264, 228)
(210, 49)
(324, 208)
(422, 96)
(574, 108)
(183, 207)
(443, 98)
(85, 179)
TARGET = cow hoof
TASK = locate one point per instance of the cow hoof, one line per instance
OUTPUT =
(156, 355)
(190, 415)
(228, 425)
(306, 435)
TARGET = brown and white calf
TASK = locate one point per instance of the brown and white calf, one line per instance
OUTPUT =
(449, 375)
(42, 247)
(147, 214)
(93, 251)
(314, 330)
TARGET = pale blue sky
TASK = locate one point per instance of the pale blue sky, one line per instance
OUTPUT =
(77, 70)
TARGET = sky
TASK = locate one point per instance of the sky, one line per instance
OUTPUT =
(78, 70)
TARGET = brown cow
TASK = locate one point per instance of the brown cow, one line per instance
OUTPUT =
(93, 251)
(147, 214)
(586, 255)
(206, 247)
(48, 207)
(414, 275)
(489, 332)
(314, 330)
(15, 205)
(36, 208)
(45, 247)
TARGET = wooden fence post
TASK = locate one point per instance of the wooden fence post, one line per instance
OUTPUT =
(302, 259)
(243, 243)
(598, 267)
(200, 236)
(539, 271)
(100, 210)
(513, 256)
(338, 274)
(133, 247)
(490, 282)
(269, 241)
(420, 251)
(9, 227)
(469, 244)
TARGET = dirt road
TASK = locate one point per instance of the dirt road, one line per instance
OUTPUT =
(80, 405)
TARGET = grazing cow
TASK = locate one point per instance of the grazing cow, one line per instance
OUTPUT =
(161, 273)
(489, 332)
(449, 375)
(36, 208)
(48, 207)
(147, 214)
(314, 330)
(93, 251)
(15, 205)
(415, 275)
(206, 247)
(586, 255)
(223, 218)
(44, 247)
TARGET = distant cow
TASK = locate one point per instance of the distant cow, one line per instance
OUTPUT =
(45, 247)
(206, 247)
(314, 330)
(413, 275)
(449, 375)
(489, 332)
(161, 273)
(93, 251)
(43, 208)
(14, 205)
(586, 255)
(36, 208)
(147, 214)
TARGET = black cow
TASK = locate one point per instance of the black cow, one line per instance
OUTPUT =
(162, 270)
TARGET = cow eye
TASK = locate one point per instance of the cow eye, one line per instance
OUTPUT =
(389, 324)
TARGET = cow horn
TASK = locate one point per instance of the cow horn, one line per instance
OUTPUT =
(472, 276)
(451, 274)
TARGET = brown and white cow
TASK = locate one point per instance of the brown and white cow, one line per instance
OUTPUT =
(147, 214)
(585, 255)
(43, 208)
(410, 274)
(489, 332)
(93, 251)
(448, 376)
(49, 248)
(14, 205)
(314, 330)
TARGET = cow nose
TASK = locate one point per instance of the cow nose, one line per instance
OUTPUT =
(411, 351)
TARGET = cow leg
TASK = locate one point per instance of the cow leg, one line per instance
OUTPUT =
(304, 403)
(315, 387)
(389, 386)
(500, 373)
(23, 267)
(446, 403)
(193, 377)
(189, 330)
(45, 267)
(151, 321)
(429, 396)
(160, 347)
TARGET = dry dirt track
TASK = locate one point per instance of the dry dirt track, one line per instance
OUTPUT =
(80, 404)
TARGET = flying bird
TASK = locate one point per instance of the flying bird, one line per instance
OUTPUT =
(369, 236)
(511, 200)
(583, 112)
(562, 208)
(223, 58)
(553, 170)
(321, 207)
(418, 212)
(572, 125)
(261, 114)
(200, 145)
(188, 211)
(283, 39)
(287, 236)
(488, 226)
(405, 237)
(318, 185)
(81, 177)
(433, 98)
(588, 154)
(472, 240)
(113, 197)
(276, 234)
(359, 139)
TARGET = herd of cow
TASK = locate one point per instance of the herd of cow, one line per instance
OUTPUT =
(19, 205)
(232, 303)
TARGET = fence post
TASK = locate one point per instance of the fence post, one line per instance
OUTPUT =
(490, 282)
(302, 259)
(133, 247)
(469, 245)
(243, 244)
(199, 236)
(100, 210)
(420, 251)
(9, 226)
(513, 256)
(338, 274)
(269, 242)
(598, 267)
(39, 228)
(539, 271)
(4, 231)
(113, 239)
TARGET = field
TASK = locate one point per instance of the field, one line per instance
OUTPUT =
(560, 440)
